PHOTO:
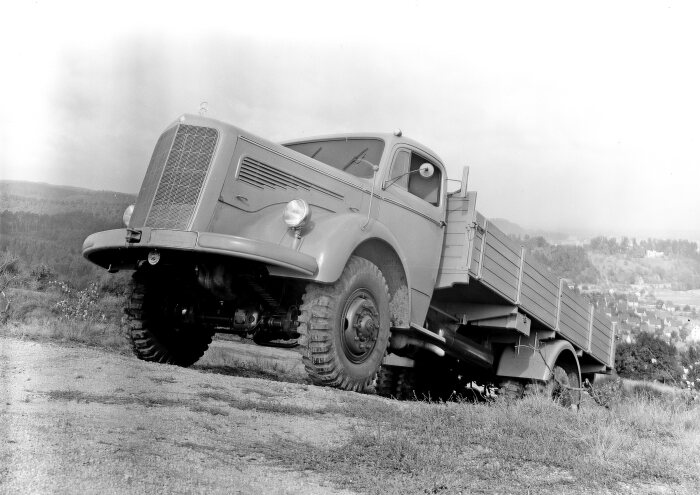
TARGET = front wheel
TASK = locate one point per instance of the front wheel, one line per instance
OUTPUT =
(344, 327)
(158, 326)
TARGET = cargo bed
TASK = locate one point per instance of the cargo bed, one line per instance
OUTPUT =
(476, 252)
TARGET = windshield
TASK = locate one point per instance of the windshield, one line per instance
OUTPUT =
(354, 156)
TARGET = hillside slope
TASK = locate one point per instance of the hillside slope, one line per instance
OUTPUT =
(48, 199)
(680, 272)
(84, 420)
(45, 226)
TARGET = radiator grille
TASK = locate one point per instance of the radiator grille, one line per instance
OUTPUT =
(150, 181)
(263, 176)
(182, 177)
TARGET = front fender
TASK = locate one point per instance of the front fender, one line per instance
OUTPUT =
(335, 238)
(533, 364)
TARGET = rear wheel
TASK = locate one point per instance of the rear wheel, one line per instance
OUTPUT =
(159, 322)
(563, 386)
(344, 327)
(395, 382)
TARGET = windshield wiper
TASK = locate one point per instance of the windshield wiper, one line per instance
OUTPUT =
(355, 158)
(317, 152)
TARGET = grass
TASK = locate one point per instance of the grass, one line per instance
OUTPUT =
(104, 335)
(609, 390)
(31, 317)
(529, 445)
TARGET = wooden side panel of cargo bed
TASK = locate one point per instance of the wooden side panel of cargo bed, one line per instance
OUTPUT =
(574, 318)
(500, 263)
(459, 239)
(602, 342)
(539, 292)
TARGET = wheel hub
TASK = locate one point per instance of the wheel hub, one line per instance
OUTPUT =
(360, 326)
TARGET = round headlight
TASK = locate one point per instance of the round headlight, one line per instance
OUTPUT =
(296, 213)
(127, 215)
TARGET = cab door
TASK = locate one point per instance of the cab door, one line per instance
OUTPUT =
(413, 209)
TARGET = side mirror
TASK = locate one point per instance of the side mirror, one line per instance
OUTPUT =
(426, 170)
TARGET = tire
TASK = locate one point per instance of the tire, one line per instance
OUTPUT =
(154, 329)
(387, 378)
(562, 387)
(344, 327)
(395, 382)
(510, 389)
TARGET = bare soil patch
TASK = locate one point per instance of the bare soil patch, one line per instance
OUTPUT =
(81, 420)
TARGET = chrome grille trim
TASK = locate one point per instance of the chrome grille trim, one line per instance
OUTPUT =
(150, 181)
(182, 177)
(262, 176)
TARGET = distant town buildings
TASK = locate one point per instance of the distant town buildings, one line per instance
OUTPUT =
(636, 310)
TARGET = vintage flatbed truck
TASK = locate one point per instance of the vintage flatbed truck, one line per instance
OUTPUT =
(351, 246)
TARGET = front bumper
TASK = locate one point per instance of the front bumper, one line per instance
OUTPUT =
(110, 249)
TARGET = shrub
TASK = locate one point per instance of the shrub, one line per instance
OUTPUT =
(78, 305)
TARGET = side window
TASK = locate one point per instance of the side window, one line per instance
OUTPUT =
(400, 168)
(427, 189)
(405, 171)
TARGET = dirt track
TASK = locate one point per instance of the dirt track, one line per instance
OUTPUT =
(80, 420)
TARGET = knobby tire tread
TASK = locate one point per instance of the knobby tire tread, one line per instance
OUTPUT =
(320, 305)
(145, 343)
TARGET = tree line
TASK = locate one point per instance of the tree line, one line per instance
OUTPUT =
(638, 249)
(653, 359)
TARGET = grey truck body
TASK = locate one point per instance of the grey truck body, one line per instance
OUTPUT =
(214, 193)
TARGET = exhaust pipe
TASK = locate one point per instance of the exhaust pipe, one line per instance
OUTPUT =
(400, 341)
(461, 347)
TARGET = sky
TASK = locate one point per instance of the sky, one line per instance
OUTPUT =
(572, 116)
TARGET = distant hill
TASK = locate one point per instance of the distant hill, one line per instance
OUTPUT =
(48, 199)
(509, 227)
(513, 229)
